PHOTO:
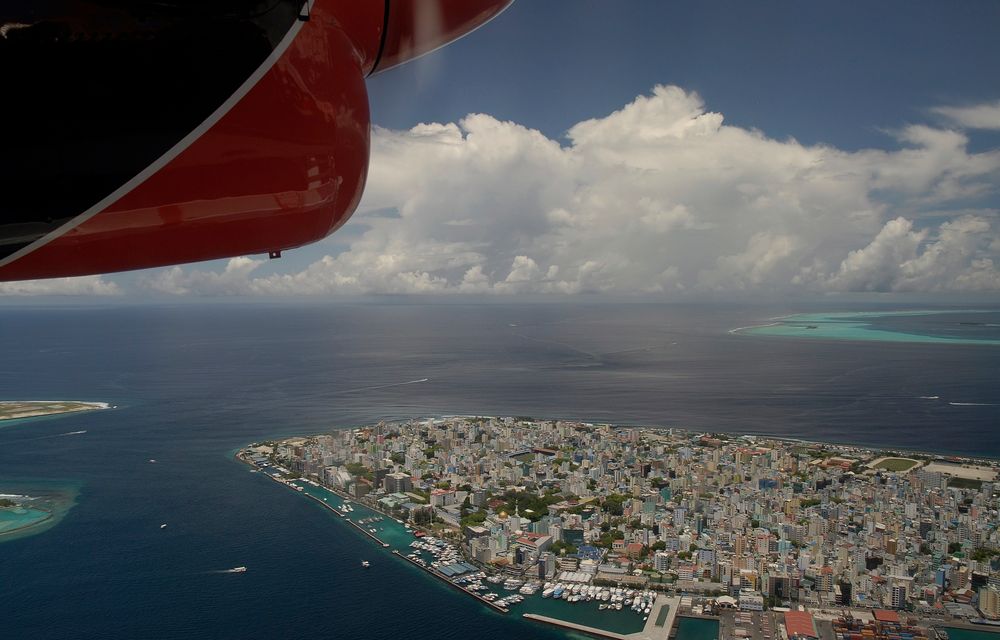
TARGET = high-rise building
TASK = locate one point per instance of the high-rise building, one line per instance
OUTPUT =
(661, 561)
(825, 582)
(898, 596)
(398, 482)
(989, 603)
(844, 598)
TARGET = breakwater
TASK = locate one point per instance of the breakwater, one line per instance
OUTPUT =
(451, 584)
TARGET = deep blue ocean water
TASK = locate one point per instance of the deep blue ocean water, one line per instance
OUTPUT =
(193, 383)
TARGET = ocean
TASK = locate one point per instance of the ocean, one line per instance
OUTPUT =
(193, 382)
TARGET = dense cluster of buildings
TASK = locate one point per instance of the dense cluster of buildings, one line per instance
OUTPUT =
(755, 521)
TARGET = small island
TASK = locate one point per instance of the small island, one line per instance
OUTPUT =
(19, 409)
(633, 533)
(31, 508)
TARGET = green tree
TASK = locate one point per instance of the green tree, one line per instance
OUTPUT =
(613, 503)
(473, 519)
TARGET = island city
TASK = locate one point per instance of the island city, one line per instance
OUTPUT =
(629, 532)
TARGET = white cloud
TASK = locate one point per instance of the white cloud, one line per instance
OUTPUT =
(234, 279)
(659, 196)
(78, 286)
(901, 258)
(980, 116)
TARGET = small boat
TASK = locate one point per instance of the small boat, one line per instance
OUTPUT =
(163, 526)
(365, 564)
(237, 570)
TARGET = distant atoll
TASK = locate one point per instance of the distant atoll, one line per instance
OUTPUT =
(19, 409)
(857, 326)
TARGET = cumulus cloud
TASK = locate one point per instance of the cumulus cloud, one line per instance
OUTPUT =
(901, 258)
(234, 279)
(980, 116)
(659, 197)
(79, 286)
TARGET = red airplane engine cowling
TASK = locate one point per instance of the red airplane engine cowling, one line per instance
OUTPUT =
(162, 133)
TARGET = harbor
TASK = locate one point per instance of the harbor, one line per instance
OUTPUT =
(539, 518)
(597, 611)
(444, 579)
(657, 627)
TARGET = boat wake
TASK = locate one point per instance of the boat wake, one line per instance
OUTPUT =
(753, 326)
(382, 386)
(53, 435)
(233, 570)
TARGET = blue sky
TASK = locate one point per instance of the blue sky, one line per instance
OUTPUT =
(666, 150)
(832, 72)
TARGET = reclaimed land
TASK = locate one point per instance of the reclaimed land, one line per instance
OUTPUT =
(19, 409)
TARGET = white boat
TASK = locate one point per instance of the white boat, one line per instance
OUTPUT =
(237, 570)
(163, 526)
(365, 564)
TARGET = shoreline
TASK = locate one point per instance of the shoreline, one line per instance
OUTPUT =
(261, 456)
(23, 411)
(430, 571)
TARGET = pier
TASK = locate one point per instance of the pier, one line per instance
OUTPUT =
(594, 631)
(658, 626)
(448, 582)
(382, 543)
(385, 545)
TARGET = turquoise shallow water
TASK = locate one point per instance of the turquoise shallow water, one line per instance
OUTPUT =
(859, 326)
(17, 518)
(50, 502)
(955, 633)
(702, 629)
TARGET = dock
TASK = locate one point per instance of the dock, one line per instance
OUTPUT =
(385, 545)
(444, 579)
(594, 631)
(661, 620)
(382, 543)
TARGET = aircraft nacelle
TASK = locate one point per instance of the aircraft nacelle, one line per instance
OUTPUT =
(142, 134)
